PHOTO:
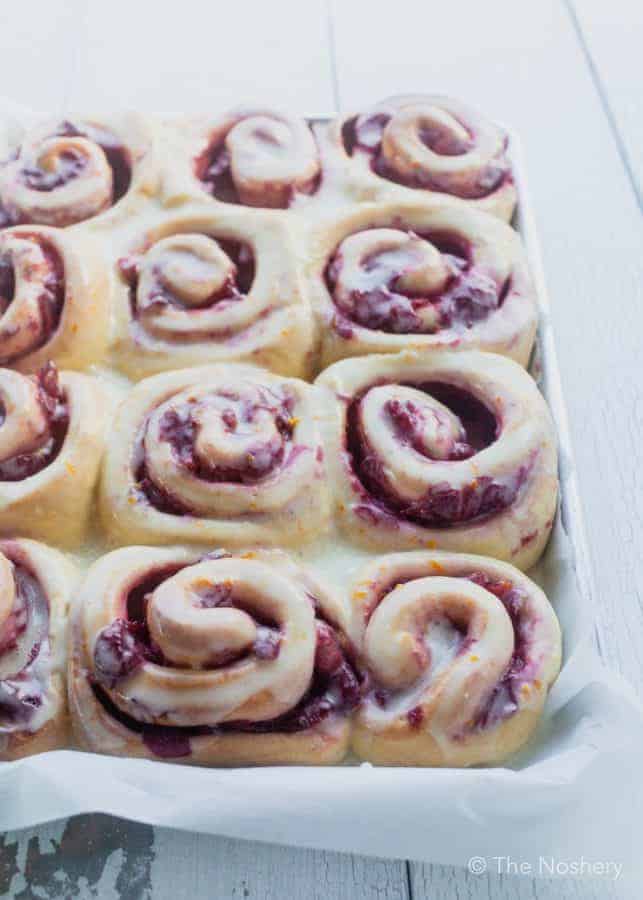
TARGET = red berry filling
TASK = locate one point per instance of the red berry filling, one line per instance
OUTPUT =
(335, 688)
(26, 634)
(442, 505)
(236, 287)
(364, 135)
(53, 403)
(52, 293)
(179, 428)
(469, 296)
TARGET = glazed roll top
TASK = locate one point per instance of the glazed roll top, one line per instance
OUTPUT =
(429, 143)
(455, 451)
(67, 172)
(398, 276)
(213, 288)
(224, 453)
(461, 651)
(258, 158)
(218, 646)
(35, 587)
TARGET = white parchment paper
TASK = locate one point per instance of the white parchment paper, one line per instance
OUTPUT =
(576, 793)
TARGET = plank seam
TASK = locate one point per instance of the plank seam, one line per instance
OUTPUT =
(602, 94)
(332, 49)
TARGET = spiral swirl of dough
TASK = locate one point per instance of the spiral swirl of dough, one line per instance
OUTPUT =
(36, 583)
(54, 299)
(222, 453)
(51, 440)
(455, 451)
(63, 173)
(205, 288)
(420, 143)
(267, 158)
(461, 651)
(241, 657)
(397, 276)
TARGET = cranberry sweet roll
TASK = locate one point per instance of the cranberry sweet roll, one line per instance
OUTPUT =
(225, 454)
(422, 146)
(461, 652)
(249, 157)
(51, 439)
(54, 299)
(220, 660)
(65, 172)
(200, 289)
(36, 584)
(406, 276)
(454, 450)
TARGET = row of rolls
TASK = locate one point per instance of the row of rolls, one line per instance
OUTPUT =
(256, 237)
(406, 451)
(434, 655)
(197, 287)
(247, 658)
(74, 170)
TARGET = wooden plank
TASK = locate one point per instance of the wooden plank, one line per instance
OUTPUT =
(612, 36)
(144, 56)
(524, 64)
(227, 868)
(99, 856)
(445, 883)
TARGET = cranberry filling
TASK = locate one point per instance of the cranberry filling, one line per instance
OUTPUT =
(408, 422)
(70, 165)
(212, 168)
(366, 137)
(236, 287)
(52, 291)
(118, 156)
(470, 295)
(336, 688)
(504, 699)
(442, 506)
(7, 282)
(179, 428)
(21, 693)
(52, 400)
(126, 644)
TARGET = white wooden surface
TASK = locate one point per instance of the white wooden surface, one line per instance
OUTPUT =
(567, 75)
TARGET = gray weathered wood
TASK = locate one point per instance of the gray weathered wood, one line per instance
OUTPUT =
(99, 856)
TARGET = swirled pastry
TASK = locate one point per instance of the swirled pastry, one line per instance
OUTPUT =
(65, 172)
(205, 288)
(461, 652)
(51, 439)
(54, 299)
(248, 157)
(36, 584)
(220, 660)
(407, 276)
(453, 450)
(420, 145)
(225, 454)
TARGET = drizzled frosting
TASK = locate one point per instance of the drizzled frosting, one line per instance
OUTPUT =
(461, 651)
(183, 651)
(258, 158)
(453, 450)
